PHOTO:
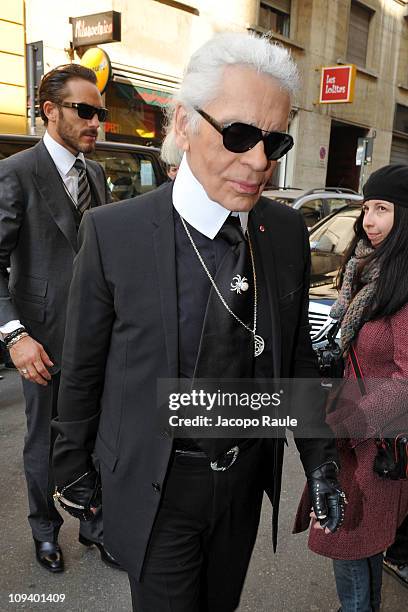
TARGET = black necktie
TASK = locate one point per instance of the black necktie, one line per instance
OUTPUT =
(227, 347)
(84, 190)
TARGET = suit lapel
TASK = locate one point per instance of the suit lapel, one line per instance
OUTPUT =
(93, 181)
(262, 240)
(165, 253)
(49, 184)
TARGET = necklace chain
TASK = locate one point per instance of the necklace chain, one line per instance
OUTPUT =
(218, 292)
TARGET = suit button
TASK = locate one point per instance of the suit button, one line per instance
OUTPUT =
(156, 486)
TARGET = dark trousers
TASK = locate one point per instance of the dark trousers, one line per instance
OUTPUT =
(203, 537)
(44, 519)
(398, 552)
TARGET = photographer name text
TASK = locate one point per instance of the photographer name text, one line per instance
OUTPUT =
(205, 421)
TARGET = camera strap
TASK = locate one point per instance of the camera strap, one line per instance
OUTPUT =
(357, 370)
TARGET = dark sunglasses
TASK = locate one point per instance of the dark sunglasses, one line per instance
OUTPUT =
(241, 137)
(87, 111)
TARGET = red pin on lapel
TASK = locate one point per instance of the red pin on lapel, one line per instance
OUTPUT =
(261, 228)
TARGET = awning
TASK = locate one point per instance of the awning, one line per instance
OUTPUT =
(150, 96)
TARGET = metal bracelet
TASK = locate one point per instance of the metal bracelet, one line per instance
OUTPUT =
(13, 334)
(14, 340)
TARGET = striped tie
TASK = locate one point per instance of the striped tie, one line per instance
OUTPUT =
(84, 190)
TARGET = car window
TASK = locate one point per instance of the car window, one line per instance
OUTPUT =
(333, 204)
(328, 246)
(128, 174)
(334, 236)
(312, 211)
(9, 148)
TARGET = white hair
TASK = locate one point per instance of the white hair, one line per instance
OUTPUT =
(203, 76)
(170, 153)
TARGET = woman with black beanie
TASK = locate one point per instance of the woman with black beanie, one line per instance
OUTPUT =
(373, 309)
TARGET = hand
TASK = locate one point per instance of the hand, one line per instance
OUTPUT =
(328, 500)
(82, 497)
(31, 360)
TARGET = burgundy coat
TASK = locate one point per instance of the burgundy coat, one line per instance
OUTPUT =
(376, 507)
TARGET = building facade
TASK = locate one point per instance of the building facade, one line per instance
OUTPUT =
(12, 68)
(158, 36)
(372, 35)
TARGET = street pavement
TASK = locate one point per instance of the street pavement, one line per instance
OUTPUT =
(294, 580)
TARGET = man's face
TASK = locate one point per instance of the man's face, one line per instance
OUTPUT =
(72, 132)
(235, 180)
(172, 172)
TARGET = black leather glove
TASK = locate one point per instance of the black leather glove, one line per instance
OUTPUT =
(328, 500)
(78, 497)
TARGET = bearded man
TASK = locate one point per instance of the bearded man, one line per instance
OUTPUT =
(44, 192)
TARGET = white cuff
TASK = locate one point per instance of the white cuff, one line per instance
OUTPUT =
(8, 328)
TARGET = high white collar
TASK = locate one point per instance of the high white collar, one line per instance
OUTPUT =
(62, 158)
(193, 204)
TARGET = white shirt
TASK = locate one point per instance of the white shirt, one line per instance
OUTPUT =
(193, 204)
(64, 161)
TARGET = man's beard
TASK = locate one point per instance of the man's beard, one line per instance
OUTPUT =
(73, 142)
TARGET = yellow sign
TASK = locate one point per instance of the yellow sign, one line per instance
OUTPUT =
(98, 60)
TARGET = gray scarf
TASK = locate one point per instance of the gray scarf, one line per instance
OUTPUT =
(348, 310)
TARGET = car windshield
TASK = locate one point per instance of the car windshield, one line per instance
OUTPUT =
(328, 244)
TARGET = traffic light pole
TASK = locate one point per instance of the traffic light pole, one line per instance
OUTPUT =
(31, 85)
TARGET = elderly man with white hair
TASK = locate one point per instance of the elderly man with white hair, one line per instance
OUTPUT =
(201, 279)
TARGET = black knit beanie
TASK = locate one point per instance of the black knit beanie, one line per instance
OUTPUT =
(388, 183)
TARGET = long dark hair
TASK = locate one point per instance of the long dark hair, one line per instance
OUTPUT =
(392, 256)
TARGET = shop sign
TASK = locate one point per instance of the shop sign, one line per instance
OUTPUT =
(96, 29)
(98, 60)
(111, 127)
(337, 84)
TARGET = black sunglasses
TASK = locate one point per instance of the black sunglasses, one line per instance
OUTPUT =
(241, 137)
(87, 111)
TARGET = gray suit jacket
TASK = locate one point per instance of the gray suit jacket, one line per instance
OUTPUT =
(38, 241)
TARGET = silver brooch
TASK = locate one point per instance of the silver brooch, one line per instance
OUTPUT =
(239, 284)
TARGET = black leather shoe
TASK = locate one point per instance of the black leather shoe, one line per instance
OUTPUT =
(397, 570)
(49, 555)
(106, 557)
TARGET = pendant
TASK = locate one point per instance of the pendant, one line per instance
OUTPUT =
(239, 284)
(259, 345)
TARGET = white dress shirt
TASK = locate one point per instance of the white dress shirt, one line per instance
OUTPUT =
(64, 161)
(193, 204)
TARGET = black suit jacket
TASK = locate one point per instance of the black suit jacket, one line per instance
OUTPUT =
(38, 240)
(124, 336)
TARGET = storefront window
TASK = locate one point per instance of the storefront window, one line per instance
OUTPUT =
(135, 114)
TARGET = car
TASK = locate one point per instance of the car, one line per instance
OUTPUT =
(329, 240)
(315, 204)
(130, 169)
